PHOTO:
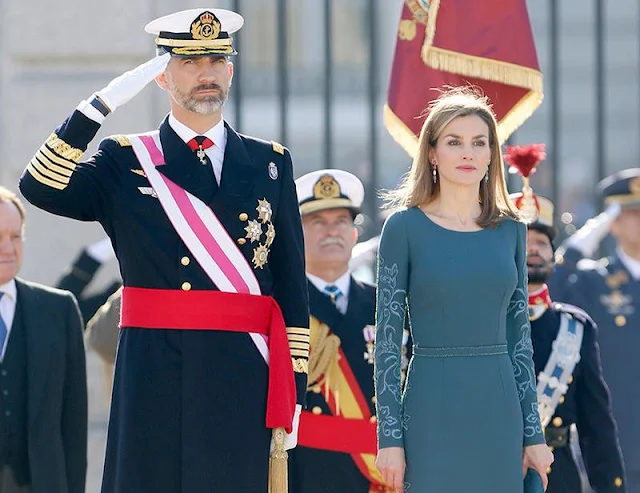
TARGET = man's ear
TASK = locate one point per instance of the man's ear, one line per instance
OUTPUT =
(230, 69)
(161, 80)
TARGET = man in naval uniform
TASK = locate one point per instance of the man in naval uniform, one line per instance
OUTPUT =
(571, 388)
(609, 289)
(206, 228)
(337, 435)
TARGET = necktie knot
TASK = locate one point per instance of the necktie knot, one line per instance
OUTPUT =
(333, 291)
(200, 142)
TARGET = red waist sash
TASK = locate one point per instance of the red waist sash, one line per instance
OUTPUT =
(217, 310)
(337, 434)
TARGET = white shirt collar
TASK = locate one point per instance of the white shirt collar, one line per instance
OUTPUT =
(632, 264)
(9, 289)
(216, 133)
(343, 283)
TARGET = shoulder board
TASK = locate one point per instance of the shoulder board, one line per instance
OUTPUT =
(277, 147)
(575, 312)
(122, 140)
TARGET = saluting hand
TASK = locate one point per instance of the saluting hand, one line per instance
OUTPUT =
(391, 463)
(539, 458)
(126, 86)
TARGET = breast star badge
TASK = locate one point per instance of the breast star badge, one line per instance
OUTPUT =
(271, 234)
(260, 256)
(254, 230)
(264, 210)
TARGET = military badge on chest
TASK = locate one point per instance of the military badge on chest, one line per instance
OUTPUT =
(617, 303)
(369, 333)
(256, 228)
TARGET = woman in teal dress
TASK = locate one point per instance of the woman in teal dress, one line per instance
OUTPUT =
(453, 259)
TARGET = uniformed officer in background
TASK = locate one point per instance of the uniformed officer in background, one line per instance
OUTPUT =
(206, 227)
(571, 388)
(609, 289)
(337, 435)
(78, 276)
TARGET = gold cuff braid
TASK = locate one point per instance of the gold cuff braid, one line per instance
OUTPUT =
(300, 365)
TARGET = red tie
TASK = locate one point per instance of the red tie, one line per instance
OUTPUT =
(200, 142)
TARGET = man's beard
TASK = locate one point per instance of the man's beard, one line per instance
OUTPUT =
(207, 105)
(540, 273)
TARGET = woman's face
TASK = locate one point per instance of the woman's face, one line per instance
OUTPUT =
(462, 152)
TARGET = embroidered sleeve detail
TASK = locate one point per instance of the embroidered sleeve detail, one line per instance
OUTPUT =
(390, 314)
(521, 349)
(388, 349)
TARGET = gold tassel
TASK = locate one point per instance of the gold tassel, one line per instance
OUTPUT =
(278, 473)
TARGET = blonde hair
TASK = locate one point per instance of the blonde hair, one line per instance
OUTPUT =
(417, 187)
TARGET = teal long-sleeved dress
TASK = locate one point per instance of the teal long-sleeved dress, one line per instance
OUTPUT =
(469, 404)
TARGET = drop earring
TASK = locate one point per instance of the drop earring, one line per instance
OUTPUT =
(435, 175)
(486, 175)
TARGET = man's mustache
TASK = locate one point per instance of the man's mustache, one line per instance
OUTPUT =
(206, 87)
(331, 241)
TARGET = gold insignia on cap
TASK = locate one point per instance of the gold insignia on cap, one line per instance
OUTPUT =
(326, 188)
(206, 26)
(634, 185)
(260, 256)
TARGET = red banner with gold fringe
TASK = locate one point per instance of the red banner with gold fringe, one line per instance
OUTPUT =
(487, 44)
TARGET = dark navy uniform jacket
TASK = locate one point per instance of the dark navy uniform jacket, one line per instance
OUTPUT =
(586, 403)
(188, 408)
(606, 289)
(321, 471)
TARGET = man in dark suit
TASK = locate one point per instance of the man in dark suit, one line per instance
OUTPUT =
(212, 356)
(43, 394)
(337, 436)
(572, 392)
(609, 289)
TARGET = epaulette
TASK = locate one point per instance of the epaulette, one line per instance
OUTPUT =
(277, 147)
(122, 140)
(574, 311)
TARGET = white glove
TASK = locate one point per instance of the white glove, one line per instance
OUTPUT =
(124, 87)
(364, 252)
(291, 439)
(587, 239)
(101, 251)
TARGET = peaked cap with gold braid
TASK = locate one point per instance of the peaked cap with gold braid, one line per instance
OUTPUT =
(196, 32)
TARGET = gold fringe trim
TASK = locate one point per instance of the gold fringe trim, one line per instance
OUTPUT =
(482, 68)
(400, 132)
(518, 115)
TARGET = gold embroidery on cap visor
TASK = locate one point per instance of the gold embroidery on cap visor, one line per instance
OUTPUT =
(321, 204)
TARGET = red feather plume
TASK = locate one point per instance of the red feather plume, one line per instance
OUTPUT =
(524, 159)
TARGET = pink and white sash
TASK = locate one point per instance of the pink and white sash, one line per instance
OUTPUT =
(199, 228)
